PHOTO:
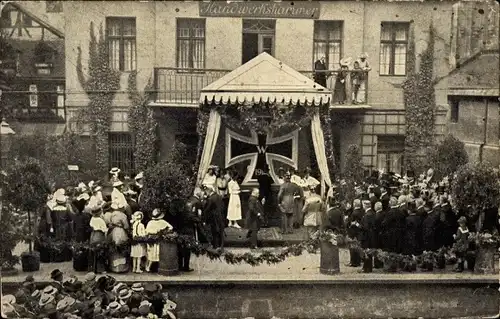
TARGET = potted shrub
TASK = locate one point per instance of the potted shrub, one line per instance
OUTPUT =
(329, 251)
(448, 156)
(167, 184)
(27, 191)
(475, 190)
(10, 235)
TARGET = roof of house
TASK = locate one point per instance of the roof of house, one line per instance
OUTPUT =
(27, 58)
(35, 18)
(480, 74)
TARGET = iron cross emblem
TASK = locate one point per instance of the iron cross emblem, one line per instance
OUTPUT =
(261, 149)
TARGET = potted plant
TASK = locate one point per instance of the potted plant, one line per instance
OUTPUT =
(329, 249)
(475, 190)
(487, 245)
(167, 184)
(9, 237)
(27, 191)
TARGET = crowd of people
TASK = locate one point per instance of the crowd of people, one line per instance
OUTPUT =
(91, 297)
(404, 215)
(408, 215)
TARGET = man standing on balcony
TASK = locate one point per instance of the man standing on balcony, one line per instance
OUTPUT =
(362, 65)
(320, 73)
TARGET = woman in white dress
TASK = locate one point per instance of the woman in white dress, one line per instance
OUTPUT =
(234, 206)
(308, 182)
(155, 225)
(210, 179)
(137, 251)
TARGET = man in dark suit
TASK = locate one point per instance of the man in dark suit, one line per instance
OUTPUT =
(393, 227)
(449, 220)
(354, 231)
(213, 217)
(379, 218)
(413, 232)
(369, 234)
(384, 196)
(431, 229)
(265, 190)
(254, 216)
(334, 218)
(188, 221)
(320, 74)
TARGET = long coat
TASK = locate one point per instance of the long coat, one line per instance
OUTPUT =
(379, 219)
(393, 227)
(431, 231)
(333, 219)
(369, 231)
(288, 204)
(450, 224)
(212, 214)
(255, 213)
(356, 217)
(413, 235)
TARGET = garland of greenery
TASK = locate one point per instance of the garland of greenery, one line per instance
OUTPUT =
(266, 118)
(101, 87)
(420, 102)
(310, 245)
(142, 124)
(326, 127)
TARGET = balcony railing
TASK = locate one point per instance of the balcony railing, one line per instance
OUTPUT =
(182, 87)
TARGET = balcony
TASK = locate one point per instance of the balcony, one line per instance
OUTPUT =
(181, 87)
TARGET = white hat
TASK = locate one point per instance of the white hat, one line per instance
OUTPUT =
(115, 170)
(346, 61)
(139, 176)
(157, 214)
(363, 55)
(61, 199)
(83, 196)
(117, 183)
(91, 184)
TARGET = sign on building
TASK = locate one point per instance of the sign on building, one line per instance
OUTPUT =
(280, 10)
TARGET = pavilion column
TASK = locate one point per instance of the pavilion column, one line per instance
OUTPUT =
(319, 149)
(213, 128)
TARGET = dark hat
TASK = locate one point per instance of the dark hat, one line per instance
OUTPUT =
(150, 288)
(55, 273)
(29, 279)
(365, 196)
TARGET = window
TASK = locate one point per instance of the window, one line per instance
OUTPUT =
(53, 6)
(27, 21)
(328, 42)
(393, 48)
(258, 37)
(390, 150)
(121, 151)
(33, 95)
(191, 43)
(121, 37)
(6, 20)
(453, 110)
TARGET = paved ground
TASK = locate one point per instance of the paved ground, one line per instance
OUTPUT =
(300, 268)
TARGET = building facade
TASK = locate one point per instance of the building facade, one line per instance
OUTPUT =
(182, 46)
(32, 61)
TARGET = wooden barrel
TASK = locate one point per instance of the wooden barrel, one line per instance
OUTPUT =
(485, 260)
(330, 259)
(169, 263)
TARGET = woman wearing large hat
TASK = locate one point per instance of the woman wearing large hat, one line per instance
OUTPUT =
(97, 238)
(339, 90)
(155, 226)
(118, 228)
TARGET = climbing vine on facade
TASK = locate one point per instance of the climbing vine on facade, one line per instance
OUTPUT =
(101, 84)
(142, 124)
(420, 103)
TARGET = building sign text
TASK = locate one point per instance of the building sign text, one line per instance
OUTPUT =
(284, 9)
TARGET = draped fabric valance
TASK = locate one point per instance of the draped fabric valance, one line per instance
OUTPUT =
(265, 79)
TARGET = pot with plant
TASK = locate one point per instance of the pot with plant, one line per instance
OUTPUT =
(476, 190)
(27, 191)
